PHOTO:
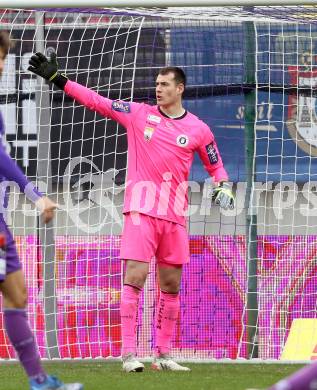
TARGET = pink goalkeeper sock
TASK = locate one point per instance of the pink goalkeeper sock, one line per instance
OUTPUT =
(166, 317)
(128, 311)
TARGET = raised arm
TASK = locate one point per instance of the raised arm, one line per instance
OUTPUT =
(117, 110)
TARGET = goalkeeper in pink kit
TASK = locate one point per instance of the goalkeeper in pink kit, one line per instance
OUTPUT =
(162, 140)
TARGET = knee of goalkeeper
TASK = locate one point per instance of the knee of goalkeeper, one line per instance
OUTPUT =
(222, 196)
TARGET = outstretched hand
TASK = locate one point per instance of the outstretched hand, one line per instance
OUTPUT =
(47, 208)
(223, 196)
(41, 66)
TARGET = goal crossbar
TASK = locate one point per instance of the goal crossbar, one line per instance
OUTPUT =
(150, 3)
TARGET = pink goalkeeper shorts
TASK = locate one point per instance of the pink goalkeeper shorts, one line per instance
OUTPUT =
(153, 237)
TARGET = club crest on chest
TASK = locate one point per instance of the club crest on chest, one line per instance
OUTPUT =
(148, 132)
(182, 140)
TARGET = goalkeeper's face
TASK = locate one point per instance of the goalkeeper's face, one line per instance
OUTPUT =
(168, 91)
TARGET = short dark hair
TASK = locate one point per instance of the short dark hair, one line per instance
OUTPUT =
(179, 74)
(5, 43)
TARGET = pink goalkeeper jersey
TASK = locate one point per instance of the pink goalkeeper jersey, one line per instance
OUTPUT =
(160, 153)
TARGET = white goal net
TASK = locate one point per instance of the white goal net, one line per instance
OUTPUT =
(248, 279)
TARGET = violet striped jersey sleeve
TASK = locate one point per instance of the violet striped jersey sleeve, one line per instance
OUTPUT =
(10, 171)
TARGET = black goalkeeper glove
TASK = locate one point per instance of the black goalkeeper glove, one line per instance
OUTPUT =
(48, 69)
(223, 196)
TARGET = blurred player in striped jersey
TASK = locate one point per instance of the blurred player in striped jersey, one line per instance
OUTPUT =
(12, 283)
(303, 379)
(162, 140)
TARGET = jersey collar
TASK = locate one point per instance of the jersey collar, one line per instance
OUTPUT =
(166, 116)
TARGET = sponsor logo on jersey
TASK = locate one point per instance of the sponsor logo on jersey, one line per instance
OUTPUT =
(212, 153)
(182, 140)
(148, 132)
(118, 105)
(154, 118)
(169, 124)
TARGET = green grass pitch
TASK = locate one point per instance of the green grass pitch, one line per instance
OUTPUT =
(108, 375)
